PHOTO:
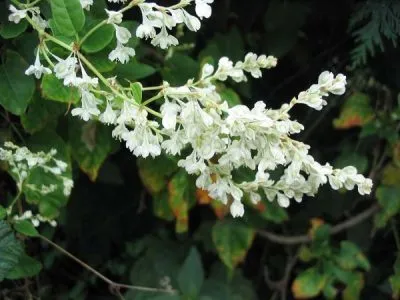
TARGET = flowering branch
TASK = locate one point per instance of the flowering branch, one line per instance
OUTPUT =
(194, 118)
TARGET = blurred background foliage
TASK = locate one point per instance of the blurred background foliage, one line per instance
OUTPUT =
(142, 221)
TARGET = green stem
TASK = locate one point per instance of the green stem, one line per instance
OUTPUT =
(154, 98)
(91, 31)
(16, 198)
(153, 88)
(56, 41)
(113, 285)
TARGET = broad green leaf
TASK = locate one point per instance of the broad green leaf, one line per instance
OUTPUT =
(68, 16)
(229, 95)
(3, 212)
(395, 279)
(26, 267)
(191, 275)
(179, 68)
(54, 89)
(390, 175)
(16, 89)
(98, 40)
(232, 240)
(395, 284)
(91, 143)
(161, 206)
(26, 227)
(50, 204)
(356, 112)
(352, 159)
(224, 284)
(305, 253)
(271, 211)
(350, 257)
(181, 197)
(41, 114)
(308, 283)
(101, 62)
(10, 250)
(389, 199)
(136, 89)
(281, 35)
(133, 70)
(155, 172)
(354, 287)
(230, 45)
(10, 30)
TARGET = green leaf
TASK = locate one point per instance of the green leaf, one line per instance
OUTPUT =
(389, 199)
(133, 70)
(179, 68)
(360, 162)
(16, 89)
(91, 143)
(68, 16)
(101, 62)
(181, 197)
(224, 284)
(98, 40)
(26, 228)
(271, 211)
(50, 204)
(54, 89)
(10, 250)
(10, 30)
(351, 257)
(308, 283)
(354, 287)
(161, 206)
(155, 172)
(229, 95)
(356, 112)
(41, 114)
(232, 240)
(395, 278)
(191, 275)
(26, 267)
(3, 212)
(137, 92)
(229, 44)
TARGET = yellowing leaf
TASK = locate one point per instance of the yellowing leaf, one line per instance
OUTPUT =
(308, 284)
(181, 197)
(232, 240)
(356, 112)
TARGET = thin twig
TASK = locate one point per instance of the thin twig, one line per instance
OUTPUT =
(298, 239)
(114, 286)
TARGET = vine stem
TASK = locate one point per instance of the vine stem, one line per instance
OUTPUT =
(395, 234)
(113, 285)
(299, 239)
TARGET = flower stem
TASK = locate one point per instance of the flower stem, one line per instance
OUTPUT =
(113, 285)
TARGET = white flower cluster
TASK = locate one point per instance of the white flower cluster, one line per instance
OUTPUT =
(18, 14)
(165, 18)
(213, 140)
(22, 162)
(35, 219)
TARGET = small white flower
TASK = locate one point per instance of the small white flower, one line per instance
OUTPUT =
(38, 20)
(237, 209)
(121, 53)
(109, 115)
(164, 40)
(169, 111)
(16, 14)
(339, 85)
(66, 69)
(191, 21)
(37, 68)
(123, 35)
(86, 4)
(114, 17)
(89, 106)
(203, 8)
